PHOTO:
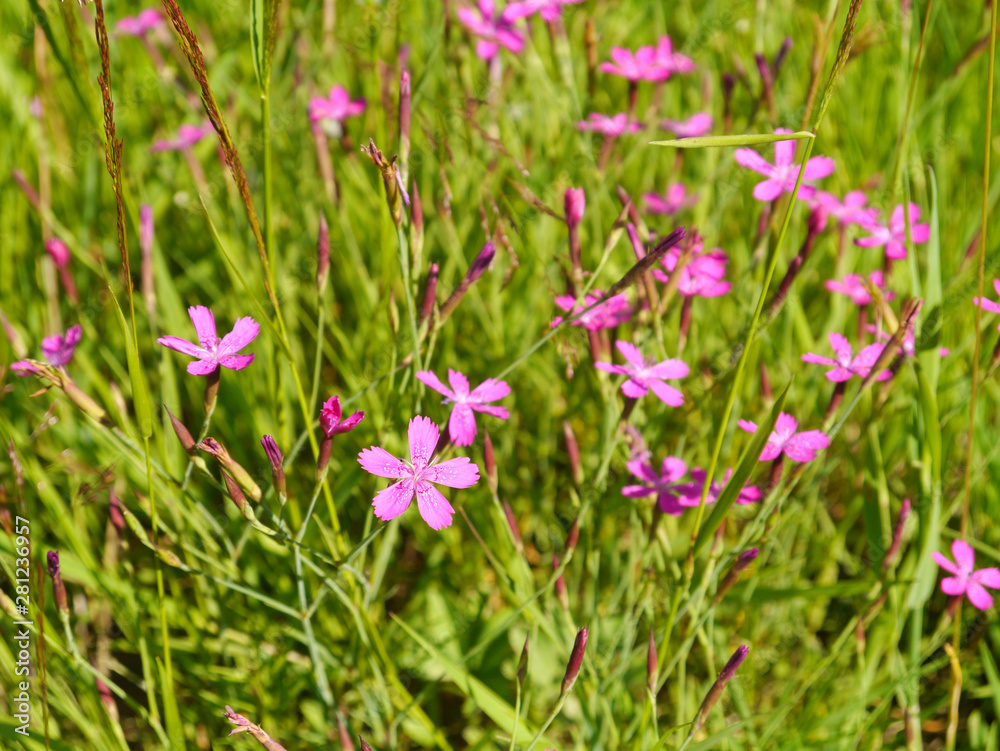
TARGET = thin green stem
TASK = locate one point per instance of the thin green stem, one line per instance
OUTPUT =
(317, 364)
(411, 310)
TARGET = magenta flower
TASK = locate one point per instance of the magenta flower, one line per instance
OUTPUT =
(549, 10)
(670, 61)
(610, 126)
(211, 352)
(673, 200)
(462, 422)
(690, 494)
(415, 476)
(992, 307)
(798, 446)
(703, 274)
(966, 580)
(847, 365)
(893, 237)
(851, 210)
(187, 136)
(58, 350)
(908, 347)
(329, 418)
(494, 29)
(854, 287)
(781, 175)
(664, 485)
(337, 106)
(138, 26)
(610, 313)
(58, 251)
(641, 65)
(694, 126)
(644, 375)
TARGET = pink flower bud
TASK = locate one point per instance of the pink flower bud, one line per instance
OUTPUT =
(575, 661)
(430, 293)
(183, 434)
(716, 691)
(57, 249)
(574, 203)
(231, 467)
(277, 470)
(58, 588)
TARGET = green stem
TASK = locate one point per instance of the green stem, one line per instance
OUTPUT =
(411, 310)
(314, 396)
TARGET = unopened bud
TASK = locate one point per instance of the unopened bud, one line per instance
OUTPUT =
(58, 251)
(476, 269)
(58, 588)
(6, 521)
(573, 452)
(115, 511)
(644, 264)
(575, 661)
(716, 691)
(490, 462)
(231, 467)
(897, 534)
(236, 493)
(322, 254)
(390, 179)
(430, 293)
(277, 470)
(364, 744)
(345, 737)
(743, 560)
(183, 434)
(574, 203)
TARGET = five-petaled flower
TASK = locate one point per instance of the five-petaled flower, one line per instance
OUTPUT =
(847, 365)
(494, 28)
(641, 65)
(673, 200)
(893, 236)
(694, 126)
(798, 446)
(966, 580)
(329, 418)
(689, 495)
(58, 350)
(701, 276)
(337, 106)
(211, 352)
(850, 210)
(138, 26)
(664, 485)
(854, 287)
(610, 126)
(607, 315)
(462, 423)
(781, 175)
(990, 305)
(415, 476)
(645, 375)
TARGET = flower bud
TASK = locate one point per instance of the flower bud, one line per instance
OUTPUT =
(58, 588)
(6, 521)
(644, 264)
(743, 560)
(364, 744)
(277, 470)
(575, 661)
(573, 537)
(115, 511)
(183, 434)
(231, 467)
(331, 424)
(574, 203)
(346, 744)
(236, 494)
(430, 293)
(476, 270)
(573, 453)
(390, 179)
(716, 691)
(322, 254)
(57, 249)
(897, 534)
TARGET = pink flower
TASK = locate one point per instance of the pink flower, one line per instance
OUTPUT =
(415, 476)
(338, 106)
(694, 126)
(781, 175)
(610, 126)
(462, 423)
(992, 307)
(673, 200)
(854, 287)
(690, 494)
(187, 136)
(663, 485)
(211, 352)
(641, 65)
(57, 249)
(494, 29)
(849, 211)
(646, 374)
(798, 446)
(893, 237)
(908, 346)
(607, 315)
(846, 365)
(549, 10)
(329, 418)
(670, 61)
(140, 25)
(58, 348)
(967, 581)
(703, 274)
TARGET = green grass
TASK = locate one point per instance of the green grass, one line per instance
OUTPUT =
(408, 636)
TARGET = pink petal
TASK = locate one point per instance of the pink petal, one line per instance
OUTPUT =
(609, 368)
(670, 504)
(433, 506)
(459, 472)
(839, 375)
(749, 494)
(964, 556)
(798, 452)
(633, 388)
(818, 167)
(459, 383)
(768, 190)
(840, 346)
(462, 425)
(510, 39)
(818, 359)
(944, 563)
(979, 596)
(748, 426)
(642, 470)
(430, 380)
(953, 586)
(235, 362)
(785, 424)
(920, 233)
(204, 322)
(394, 500)
(378, 461)
(988, 577)
(637, 491)
(630, 352)
(486, 50)
(182, 345)
(473, 22)
(996, 286)
(784, 153)
(985, 304)
(244, 331)
(423, 434)
(202, 367)
(492, 410)
(490, 390)
(667, 394)
(771, 451)
(673, 469)
(895, 250)
(802, 447)
(670, 369)
(752, 160)
(349, 423)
